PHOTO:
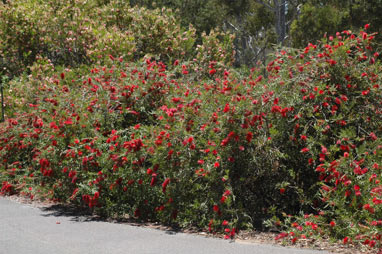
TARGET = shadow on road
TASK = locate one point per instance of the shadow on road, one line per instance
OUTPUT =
(82, 214)
(78, 214)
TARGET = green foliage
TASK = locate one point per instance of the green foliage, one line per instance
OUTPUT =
(315, 22)
(203, 15)
(82, 32)
(326, 17)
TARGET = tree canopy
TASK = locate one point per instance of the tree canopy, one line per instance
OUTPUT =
(260, 24)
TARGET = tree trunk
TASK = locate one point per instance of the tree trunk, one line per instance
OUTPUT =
(280, 22)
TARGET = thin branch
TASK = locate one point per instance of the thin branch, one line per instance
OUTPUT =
(233, 26)
(265, 4)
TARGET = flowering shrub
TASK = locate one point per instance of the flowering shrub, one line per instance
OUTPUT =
(334, 125)
(194, 143)
(82, 32)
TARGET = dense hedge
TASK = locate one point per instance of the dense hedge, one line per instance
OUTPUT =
(192, 142)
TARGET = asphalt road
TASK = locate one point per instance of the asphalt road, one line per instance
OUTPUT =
(25, 229)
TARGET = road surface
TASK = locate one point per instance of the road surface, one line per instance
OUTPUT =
(26, 229)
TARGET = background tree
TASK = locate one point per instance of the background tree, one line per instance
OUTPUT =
(257, 24)
(313, 23)
(327, 17)
(260, 24)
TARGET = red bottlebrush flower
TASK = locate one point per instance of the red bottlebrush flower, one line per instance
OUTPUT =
(367, 26)
(38, 123)
(305, 150)
(367, 207)
(123, 74)
(281, 235)
(231, 135)
(357, 190)
(249, 137)
(74, 194)
(164, 184)
(176, 99)
(225, 223)
(282, 190)
(373, 136)
(96, 195)
(210, 226)
(344, 148)
(276, 109)
(332, 62)
(226, 108)
(216, 208)
(44, 163)
(62, 75)
(153, 180)
(212, 71)
(68, 121)
(224, 142)
(6, 187)
(216, 164)
(227, 193)
(332, 224)
(346, 240)
(72, 173)
(233, 232)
